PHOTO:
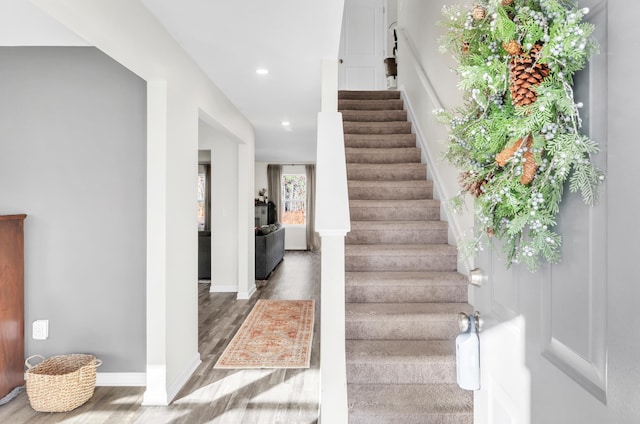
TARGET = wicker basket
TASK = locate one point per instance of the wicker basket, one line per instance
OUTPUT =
(61, 383)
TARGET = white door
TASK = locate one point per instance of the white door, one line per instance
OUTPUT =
(563, 345)
(362, 46)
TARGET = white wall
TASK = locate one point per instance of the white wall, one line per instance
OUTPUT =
(204, 156)
(179, 95)
(261, 180)
(419, 19)
(73, 158)
(392, 18)
(224, 208)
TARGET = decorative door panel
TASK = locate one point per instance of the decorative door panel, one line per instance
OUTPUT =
(574, 301)
(362, 46)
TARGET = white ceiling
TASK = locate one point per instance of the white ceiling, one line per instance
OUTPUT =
(229, 40)
(23, 24)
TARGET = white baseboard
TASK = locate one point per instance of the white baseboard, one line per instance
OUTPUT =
(135, 379)
(156, 393)
(182, 379)
(247, 295)
(223, 288)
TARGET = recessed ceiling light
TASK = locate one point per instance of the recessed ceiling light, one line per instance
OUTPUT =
(286, 123)
(262, 71)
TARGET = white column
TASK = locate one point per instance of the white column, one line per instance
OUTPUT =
(156, 393)
(333, 364)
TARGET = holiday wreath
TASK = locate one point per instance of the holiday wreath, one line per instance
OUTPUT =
(517, 138)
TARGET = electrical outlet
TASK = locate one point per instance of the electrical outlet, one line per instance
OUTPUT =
(40, 329)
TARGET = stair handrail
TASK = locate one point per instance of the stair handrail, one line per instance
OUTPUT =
(422, 74)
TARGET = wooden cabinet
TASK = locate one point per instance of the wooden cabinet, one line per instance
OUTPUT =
(11, 303)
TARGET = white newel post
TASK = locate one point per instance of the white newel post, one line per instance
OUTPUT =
(333, 365)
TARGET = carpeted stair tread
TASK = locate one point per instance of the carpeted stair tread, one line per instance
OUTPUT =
(387, 104)
(400, 250)
(368, 95)
(409, 350)
(374, 210)
(405, 287)
(390, 190)
(392, 184)
(397, 232)
(394, 127)
(386, 171)
(380, 140)
(418, 312)
(399, 225)
(374, 115)
(380, 155)
(400, 361)
(410, 404)
(400, 257)
(410, 279)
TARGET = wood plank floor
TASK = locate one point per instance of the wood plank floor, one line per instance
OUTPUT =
(269, 396)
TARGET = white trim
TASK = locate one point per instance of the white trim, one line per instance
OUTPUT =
(223, 288)
(247, 295)
(182, 379)
(428, 155)
(156, 394)
(128, 379)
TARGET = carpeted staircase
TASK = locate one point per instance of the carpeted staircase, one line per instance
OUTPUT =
(403, 292)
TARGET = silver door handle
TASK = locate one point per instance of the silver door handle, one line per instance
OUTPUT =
(477, 277)
(464, 321)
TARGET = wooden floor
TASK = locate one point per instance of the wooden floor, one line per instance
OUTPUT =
(266, 396)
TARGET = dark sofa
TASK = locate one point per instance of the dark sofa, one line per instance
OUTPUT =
(269, 251)
(204, 255)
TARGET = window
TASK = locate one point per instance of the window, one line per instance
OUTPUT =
(202, 197)
(294, 199)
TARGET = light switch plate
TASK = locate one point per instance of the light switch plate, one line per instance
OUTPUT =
(40, 329)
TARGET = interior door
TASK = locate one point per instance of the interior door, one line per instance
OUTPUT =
(362, 46)
(561, 345)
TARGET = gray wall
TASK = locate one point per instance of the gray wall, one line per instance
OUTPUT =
(73, 158)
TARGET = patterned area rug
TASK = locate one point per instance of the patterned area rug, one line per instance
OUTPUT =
(276, 334)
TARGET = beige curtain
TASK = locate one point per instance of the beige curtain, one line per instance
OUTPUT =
(274, 188)
(313, 240)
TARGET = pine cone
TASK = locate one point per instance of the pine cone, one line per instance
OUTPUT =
(470, 183)
(478, 13)
(529, 168)
(506, 2)
(507, 153)
(526, 74)
(512, 47)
